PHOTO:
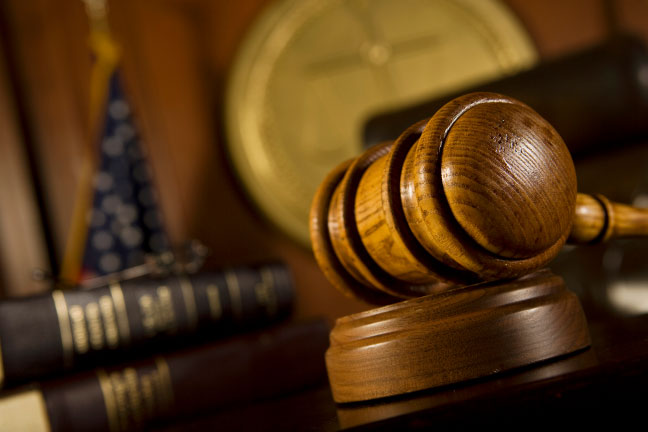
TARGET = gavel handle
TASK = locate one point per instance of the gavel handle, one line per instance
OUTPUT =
(597, 219)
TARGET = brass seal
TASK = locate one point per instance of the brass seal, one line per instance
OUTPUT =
(311, 72)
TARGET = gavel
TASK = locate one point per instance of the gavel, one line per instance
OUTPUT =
(447, 228)
(484, 190)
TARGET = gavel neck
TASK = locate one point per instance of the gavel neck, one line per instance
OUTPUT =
(596, 219)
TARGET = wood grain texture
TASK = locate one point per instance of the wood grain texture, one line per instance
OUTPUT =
(343, 228)
(323, 249)
(463, 334)
(430, 216)
(51, 61)
(597, 219)
(382, 226)
(176, 57)
(589, 220)
(509, 181)
(22, 241)
(483, 190)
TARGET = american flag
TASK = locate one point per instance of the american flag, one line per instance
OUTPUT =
(124, 223)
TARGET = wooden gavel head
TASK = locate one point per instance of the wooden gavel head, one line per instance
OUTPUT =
(484, 190)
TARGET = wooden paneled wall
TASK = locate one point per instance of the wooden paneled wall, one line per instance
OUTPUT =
(176, 55)
(22, 244)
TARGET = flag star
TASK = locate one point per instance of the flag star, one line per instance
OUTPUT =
(109, 262)
(119, 109)
(131, 236)
(102, 240)
(124, 223)
(126, 214)
(103, 181)
(110, 203)
(125, 131)
(116, 227)
(113, 146)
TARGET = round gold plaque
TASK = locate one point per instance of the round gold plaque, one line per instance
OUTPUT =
(311, 72)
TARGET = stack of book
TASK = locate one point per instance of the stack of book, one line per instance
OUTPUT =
(146, 351)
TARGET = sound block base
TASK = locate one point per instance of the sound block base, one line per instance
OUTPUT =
(455, 336)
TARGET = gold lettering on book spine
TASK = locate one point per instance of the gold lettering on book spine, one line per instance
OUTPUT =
(95, 326)
(120, 308)
(214, 302)
(79, 330)
(64, 326)
(266, 293)
(133, 396)
(110, 322)
(118, 386)
(234, 290)
(167, 316)
(157, 312)
(189, 297)
(109, 400)
(92, 326)
(166, 385)
(148, 395)
(147, 314)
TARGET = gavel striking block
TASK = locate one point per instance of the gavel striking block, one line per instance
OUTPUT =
(456, 217)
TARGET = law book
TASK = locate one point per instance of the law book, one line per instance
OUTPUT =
(51, 333)
(178, 386)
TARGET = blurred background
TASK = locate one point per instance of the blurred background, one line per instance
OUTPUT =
(185, 65)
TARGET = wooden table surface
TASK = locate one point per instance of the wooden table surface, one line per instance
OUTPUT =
(606, 382)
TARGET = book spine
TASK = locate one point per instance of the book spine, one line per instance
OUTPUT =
(249, 368)
(74, 329)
